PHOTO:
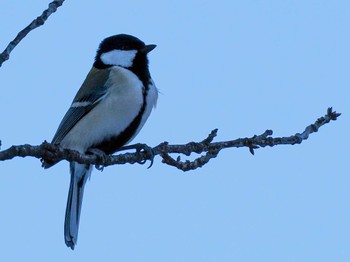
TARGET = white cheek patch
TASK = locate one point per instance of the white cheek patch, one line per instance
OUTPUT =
(122, 58)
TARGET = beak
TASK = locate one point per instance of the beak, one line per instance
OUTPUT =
(148, 48)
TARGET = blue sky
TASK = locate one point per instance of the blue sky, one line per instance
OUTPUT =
(240, 66)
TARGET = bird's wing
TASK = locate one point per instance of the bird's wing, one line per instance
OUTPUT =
(89, 95)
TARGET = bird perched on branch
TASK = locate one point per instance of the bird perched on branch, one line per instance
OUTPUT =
(108, 111)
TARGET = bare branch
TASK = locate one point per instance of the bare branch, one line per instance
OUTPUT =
(39, 21)
(211, 149)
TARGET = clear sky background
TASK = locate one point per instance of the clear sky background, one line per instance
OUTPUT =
(240, 66)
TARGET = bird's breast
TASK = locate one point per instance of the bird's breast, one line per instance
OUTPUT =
(112, 115)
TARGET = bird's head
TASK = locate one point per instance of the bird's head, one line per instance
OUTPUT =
(122, 50)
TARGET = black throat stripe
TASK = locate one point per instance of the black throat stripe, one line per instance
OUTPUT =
(140, 69)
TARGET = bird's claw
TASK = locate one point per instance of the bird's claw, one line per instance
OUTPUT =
(148, 151)
(102, 156)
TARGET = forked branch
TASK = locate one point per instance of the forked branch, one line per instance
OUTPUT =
(207, 147)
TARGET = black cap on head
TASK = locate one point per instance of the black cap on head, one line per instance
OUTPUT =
(121, 42)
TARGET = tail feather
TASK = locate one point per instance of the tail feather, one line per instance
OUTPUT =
(79, 176)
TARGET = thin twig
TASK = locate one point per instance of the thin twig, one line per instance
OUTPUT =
(39, 21)
(211, 149)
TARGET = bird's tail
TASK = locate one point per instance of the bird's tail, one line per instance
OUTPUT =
(79, 176)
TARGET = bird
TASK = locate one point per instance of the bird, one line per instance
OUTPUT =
(108, 111)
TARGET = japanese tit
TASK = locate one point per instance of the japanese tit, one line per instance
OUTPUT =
(108, 111)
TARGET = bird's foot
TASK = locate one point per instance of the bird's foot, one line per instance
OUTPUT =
(102, 157)
(142, 148)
